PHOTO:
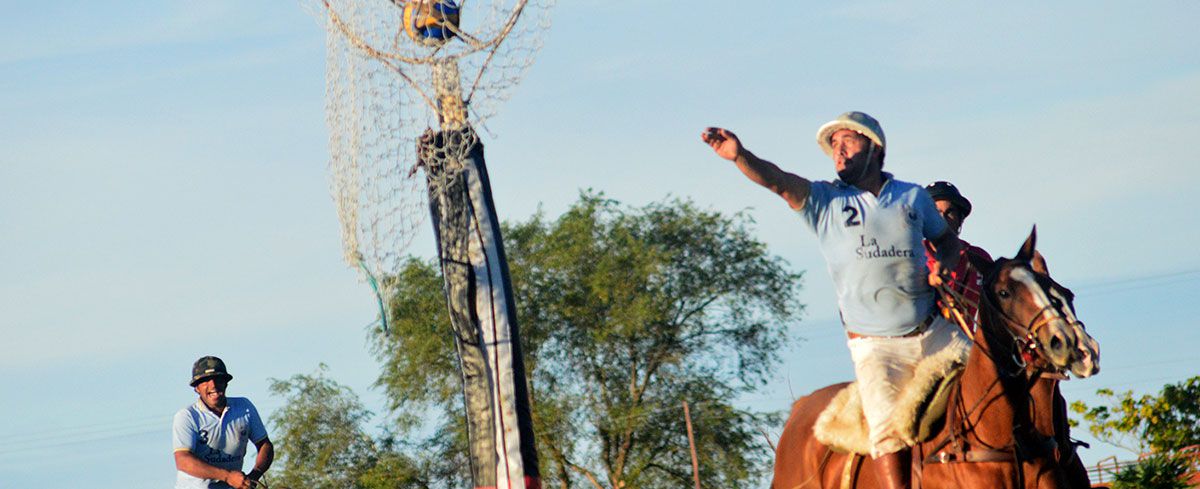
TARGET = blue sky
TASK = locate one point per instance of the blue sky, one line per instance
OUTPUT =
(164, 189)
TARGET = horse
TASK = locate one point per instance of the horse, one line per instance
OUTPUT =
(977, 445)
(1047, 411)
(1047, 408)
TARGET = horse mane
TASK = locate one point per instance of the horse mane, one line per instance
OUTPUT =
(991, 321)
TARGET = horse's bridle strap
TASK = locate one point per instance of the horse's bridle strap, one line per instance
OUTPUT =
(971, 456)
(1041, 320)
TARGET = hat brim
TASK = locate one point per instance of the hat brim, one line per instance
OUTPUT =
(826, 131)
(198, 380)
(962, 203)
(953, 197)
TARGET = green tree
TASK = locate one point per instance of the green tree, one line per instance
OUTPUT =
(1160, 423)
(321, 443)
(624, 313)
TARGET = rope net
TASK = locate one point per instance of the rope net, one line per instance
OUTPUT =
(386, 86)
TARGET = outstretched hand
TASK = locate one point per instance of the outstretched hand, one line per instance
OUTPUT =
(723, 142)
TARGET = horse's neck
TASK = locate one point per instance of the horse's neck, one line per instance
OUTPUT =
(987, 397)
(1041, 405)
(982, 383)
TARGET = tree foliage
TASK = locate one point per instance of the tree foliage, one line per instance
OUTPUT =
(1160, 423)
(321, 443)
(624, 314)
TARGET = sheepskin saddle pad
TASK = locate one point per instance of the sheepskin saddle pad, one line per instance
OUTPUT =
(920, 408)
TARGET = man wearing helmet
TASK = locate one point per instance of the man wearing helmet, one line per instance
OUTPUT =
(871, 229)
(965, 281)
(210, 435)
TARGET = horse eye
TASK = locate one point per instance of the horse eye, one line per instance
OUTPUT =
(1003, 294)
(1055, 302)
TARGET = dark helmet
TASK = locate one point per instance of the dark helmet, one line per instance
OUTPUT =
(942, 190)
(207, 367)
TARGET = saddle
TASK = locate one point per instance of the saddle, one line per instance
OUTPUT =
(919, 411)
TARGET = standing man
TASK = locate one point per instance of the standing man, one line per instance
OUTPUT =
(965, 280)
(210, 435)
(870, 227)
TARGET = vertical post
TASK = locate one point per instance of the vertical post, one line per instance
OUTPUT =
(687, 416)
(447, 87)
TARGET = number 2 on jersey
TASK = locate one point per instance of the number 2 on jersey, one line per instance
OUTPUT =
(852, 218)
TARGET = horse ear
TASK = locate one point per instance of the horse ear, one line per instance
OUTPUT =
(1039, 263)
(1027, 249)
(981, 263)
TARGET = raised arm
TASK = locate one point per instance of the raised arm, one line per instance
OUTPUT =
(793, 188)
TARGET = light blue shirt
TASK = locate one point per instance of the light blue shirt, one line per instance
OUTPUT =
(873, 247)
(219, 441)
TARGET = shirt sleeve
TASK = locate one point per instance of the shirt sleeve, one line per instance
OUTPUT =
(183, 432)
(816, 205)
(932, 223)
(257, 430)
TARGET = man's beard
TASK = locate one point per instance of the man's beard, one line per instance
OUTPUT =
(852, 175)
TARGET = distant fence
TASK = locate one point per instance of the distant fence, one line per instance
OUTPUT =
(1102, 473)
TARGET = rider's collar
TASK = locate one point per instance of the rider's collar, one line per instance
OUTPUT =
(885, 176)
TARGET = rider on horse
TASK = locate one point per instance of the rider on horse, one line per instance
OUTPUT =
(965, 281)
(871, 227)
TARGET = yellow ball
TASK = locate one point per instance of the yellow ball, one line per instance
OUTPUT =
(431, 22)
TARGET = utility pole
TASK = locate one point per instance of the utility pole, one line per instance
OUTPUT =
(687, 416)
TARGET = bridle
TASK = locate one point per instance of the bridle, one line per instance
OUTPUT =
(1024, 335)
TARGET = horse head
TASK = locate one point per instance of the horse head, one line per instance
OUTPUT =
(1087, 349)
(1022, 300)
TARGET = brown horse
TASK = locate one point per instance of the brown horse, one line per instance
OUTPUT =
(1047, 412)
(1047, 408)
(983, 440)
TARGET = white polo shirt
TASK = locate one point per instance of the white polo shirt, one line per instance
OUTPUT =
(873, 248)
(219, 441)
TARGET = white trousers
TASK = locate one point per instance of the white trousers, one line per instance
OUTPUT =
(883, 366)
